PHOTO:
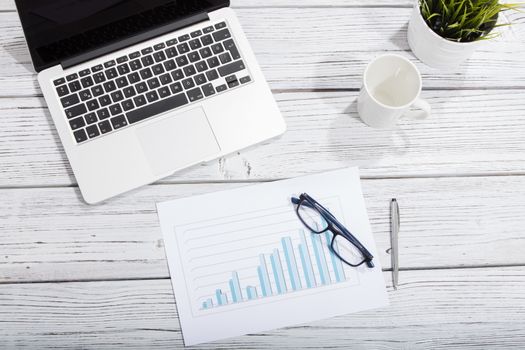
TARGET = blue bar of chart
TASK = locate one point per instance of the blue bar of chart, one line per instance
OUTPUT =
(287, 268)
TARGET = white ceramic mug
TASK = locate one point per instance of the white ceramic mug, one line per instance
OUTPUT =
(391, 86)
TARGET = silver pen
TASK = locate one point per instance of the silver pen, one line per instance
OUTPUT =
(394, 240)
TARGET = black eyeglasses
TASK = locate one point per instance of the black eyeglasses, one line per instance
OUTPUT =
(343, 244)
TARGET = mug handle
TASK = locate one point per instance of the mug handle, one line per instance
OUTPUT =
(424, 110)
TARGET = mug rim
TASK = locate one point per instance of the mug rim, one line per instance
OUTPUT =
(408, 104)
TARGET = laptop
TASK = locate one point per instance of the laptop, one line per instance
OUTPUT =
(139, 89)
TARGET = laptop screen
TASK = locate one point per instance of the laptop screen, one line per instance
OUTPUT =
(59, 29)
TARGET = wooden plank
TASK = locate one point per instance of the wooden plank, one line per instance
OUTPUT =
(453, 309)
(331, 55)
(49, 234)
(471, 132)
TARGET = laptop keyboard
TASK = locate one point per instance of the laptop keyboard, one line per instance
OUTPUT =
(156, 79)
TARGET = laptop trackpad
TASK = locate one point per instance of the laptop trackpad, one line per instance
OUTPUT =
(177, 142)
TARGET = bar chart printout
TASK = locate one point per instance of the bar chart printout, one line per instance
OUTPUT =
(238, 268)
(299, 271)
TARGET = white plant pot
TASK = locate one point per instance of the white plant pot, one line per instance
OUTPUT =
(432, 49)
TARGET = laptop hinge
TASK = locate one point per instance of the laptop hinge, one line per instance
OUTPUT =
(184, 22)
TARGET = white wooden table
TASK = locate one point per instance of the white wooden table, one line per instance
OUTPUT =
(95, 277)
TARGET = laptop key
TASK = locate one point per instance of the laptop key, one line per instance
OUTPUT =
(140, 100)
(109, 64)
(134, 55)
(104, 126)
(177, 74)
(111, 73)
(72, 77)
(217, 48)
(86, 82)
(97, 90)
(165, 79)
(146, 73)
(195, 94)
(109, 86)
(189, 70)
(164, 92)
(188, 83)
(85, 95)
(170, 65)
(115, 109)
(128, 105)
(230, 78)
(135, 65)
(231, 68)
(207, 40)
(194, 56)
(75, 111)
(97, 68)
(152, 96)
(158, 69)
(104, 100)
(232, 84)
(133, 78)
(117, 96)
(230, 46)
(92, 131)
(225, 58)
(118, 122)
(77, 123)
(122, 59)
(69, 100)
(84, 72)
(171, 42)
(159, 46)
(208, 89)
(205, 52)
(92, 105)
(99, 77)
(91, 118)
(153, 83)
(195, 44)
(129, 91)
(200, 79)
(208, 29)
(141, 87)
(196, 33)
(161, 106)
(171, 52)
(201, 66)
(103, 114)
(59, 81)
(183, 48)
(159, 56)
(184, 37)
(62, 90)
(221, 34)
(182, 61)
(80, 135)
(176, 88)
(213, 62)
(123, 69)
(221, 88)
(74, 86)
(245, 79)
(212, 75)
(147, 60)
(220, 25)
(122, 82)
(146, 50)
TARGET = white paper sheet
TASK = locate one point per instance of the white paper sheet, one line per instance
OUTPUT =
(241, 261)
